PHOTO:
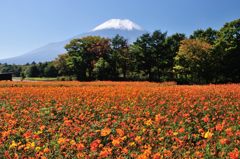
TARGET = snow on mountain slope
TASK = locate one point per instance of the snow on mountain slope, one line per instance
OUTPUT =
(124, 24)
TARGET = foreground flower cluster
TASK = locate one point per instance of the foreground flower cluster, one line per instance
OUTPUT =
(118, 120)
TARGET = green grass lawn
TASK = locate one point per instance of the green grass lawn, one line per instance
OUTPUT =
(35, 79)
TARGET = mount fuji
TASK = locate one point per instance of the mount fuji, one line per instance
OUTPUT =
(108, 29)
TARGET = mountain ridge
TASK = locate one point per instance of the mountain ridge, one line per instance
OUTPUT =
(51, 51)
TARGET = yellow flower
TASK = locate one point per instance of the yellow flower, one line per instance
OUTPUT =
(138, 139)
(97, 131)
(38, 132)
(38, 148)
(124, 138)
(13, 145)
(132, 144)
(30, 145)
(208, 135)
(72, 142)
(148, 122)
(175, 133)
(105, 131)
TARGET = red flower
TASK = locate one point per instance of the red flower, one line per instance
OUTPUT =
(206, 119)
(234, 154)
(219, 127)
(94, 145)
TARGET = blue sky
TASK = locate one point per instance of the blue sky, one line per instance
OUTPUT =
(28, 24)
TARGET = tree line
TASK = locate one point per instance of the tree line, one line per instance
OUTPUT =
(46, 69)
(206, 56)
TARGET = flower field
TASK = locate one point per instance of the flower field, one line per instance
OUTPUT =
(118, 120)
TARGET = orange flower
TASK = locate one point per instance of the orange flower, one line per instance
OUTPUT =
(142, 156)
(105, 152)
(116, 142)
(143, 112)
(68, 122)
(46, 150)
(61, 141)
(199, 154)
(219, 127)
(181, 130)
(80, 155)
(167, 153)
(158, 118)
(105, 131)
(125, 150)
(80, 146)
(138, 139)
(157, 156)
(120, 132)
(229, 132)
(224, 141)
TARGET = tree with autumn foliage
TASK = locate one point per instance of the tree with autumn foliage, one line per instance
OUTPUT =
(84, 54)
(207, 56)
(193, 62)
(172, 47)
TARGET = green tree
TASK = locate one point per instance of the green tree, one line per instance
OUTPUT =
(14, 69)
(227, 52)
(41, 66)
(150, 54)
(84, 53)
(144, 58)
(209, 35)
(159, 48)
(172, 47)
(50, 70)
(101, 69)
(193, 62)
(63, 65)
(32, 71)
(119, 57)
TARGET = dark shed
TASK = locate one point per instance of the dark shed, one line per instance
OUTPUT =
(5, 76)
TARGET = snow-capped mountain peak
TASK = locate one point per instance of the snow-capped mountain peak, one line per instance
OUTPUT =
(109, 29)
(122, 24)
